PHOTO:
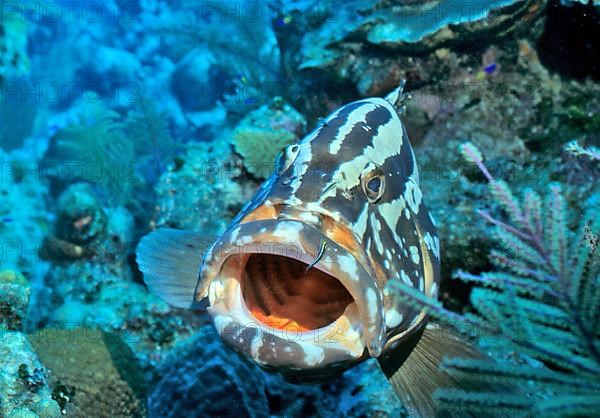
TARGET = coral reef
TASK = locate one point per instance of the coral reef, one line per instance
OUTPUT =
(204, 377)
(537, 309)
(263, 133)
(14, 300)
(91, 281)
(24, 219)
(99, 151)
(24, 390)
(203, 190)
(13, 42)
(524, 147)
(238, 49)
(91, 372)
(169, 114)
(370, 47)
(80, 218)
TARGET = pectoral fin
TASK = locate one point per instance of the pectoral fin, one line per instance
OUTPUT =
(416, 375)
(170, 260)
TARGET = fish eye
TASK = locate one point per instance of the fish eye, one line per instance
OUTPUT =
(286, 158)
(373, 183)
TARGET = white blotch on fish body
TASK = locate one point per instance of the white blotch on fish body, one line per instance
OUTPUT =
(372, 304)
(413, 195)
(287, 232)
(348, 266)
(432, 244)
(234, 234)
(391, 212)
(313, 354)
(354, 118)
(405, 279)
(308, 217)
(434, 289)
(376, 225)
(360, 226)
(393, 318)
(414, 254)
(257, 343)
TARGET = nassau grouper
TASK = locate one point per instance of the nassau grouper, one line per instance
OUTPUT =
(300, 281)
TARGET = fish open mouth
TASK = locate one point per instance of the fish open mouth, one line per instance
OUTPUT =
(267, 303)
(282, 292)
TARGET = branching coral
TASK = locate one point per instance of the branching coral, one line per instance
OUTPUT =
(540, 305)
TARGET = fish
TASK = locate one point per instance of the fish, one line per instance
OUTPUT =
(489, 69)
(302, 281)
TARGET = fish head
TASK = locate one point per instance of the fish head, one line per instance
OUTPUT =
(300, 281)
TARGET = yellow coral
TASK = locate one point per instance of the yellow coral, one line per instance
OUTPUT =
(12, 277)
(264, 132)
(259, 147)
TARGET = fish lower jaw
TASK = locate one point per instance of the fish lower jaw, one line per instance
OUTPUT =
(286, 347)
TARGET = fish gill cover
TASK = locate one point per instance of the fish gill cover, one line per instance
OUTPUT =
(120, 118)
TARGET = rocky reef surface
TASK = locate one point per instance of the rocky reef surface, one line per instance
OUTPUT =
(205, 378)
(171, 126)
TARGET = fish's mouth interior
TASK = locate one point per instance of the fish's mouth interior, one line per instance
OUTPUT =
(281, 293)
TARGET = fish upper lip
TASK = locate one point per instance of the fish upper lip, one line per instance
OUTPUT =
(273, 236)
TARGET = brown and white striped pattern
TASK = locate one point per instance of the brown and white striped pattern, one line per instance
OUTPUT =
(396, 236)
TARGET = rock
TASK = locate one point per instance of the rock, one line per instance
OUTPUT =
(203, 190)
(204, 377)
(80, 218)
(24, 219)
(14, 300)
(91, 372)
(520, 115)
(92, 294)
(365, 49)
(198, 83)
(13, 43)
(24, 390)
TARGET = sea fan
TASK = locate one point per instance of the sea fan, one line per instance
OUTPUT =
(100, 150)
(148, 129)
(116, 154)
(539, 308)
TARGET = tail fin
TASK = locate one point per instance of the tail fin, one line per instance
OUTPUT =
(416, 375)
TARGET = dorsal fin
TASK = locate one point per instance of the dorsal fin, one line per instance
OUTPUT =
(170, 260)
(398, 98)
